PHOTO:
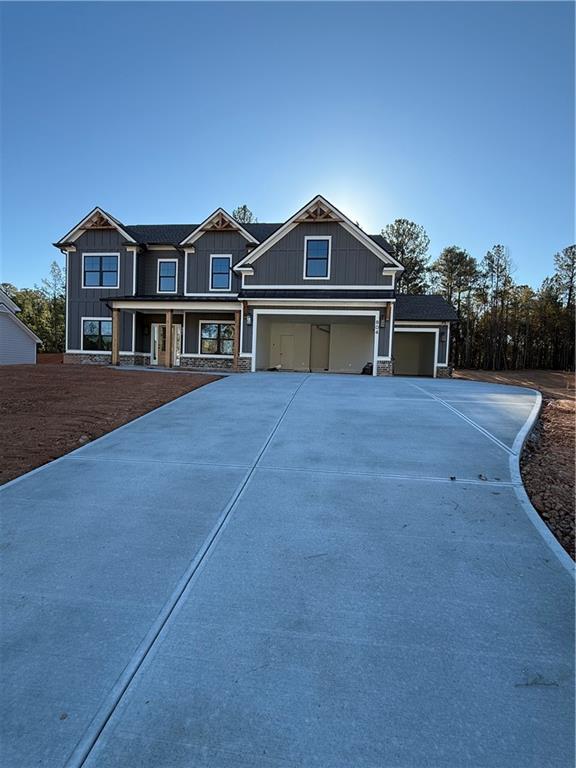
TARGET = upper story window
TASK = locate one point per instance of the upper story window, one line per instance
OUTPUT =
(317, 258)
(220, 273)
(167, 275)
(100, 270)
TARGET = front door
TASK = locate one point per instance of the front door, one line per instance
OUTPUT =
(158, 352)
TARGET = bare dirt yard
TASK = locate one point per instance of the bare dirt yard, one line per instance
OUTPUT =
(49, 410)
(548, 460)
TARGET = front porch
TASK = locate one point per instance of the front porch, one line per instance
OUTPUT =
(199, 335)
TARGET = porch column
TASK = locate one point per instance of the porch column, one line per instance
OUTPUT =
(169, 314)
(115, 336)
(236, 339)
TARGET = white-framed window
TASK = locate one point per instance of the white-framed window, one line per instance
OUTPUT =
(96, 334)
(220, 272)
(317, 251)
(167, 279)
(216, 338)
(100, 270)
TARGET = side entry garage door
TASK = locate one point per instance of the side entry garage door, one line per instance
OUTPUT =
(414, 353)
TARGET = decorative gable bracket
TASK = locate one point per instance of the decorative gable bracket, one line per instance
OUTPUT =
(219, 221)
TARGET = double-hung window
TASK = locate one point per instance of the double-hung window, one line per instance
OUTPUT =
(97, 335)
(220, 274)
(167, 275)
(216, 338)
(317, 258)
(100, 270)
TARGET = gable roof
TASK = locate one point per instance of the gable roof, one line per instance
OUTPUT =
(221, 221)
(8, 302)
(320, 209)
(15, 319)
(424, 308)
(96, 219)
(173, 234)
(180, 234)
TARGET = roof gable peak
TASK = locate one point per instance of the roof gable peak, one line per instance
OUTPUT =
(98, 218)
(218, 221)
(319, 210)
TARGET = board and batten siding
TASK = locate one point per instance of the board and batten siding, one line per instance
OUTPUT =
(147, 272)
(16, 346)
(213, 243)
(351, 263)
(86, 302)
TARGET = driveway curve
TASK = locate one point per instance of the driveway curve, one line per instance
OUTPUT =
(286, 570)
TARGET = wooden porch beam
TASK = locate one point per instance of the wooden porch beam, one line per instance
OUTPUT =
(115, 336)
(236, 339)
(169, 318)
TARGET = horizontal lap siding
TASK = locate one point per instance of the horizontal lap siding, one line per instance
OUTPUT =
(16, 346)
(351, 263)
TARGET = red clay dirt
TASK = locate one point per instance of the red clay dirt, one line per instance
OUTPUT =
(547, 462)
(49, 410)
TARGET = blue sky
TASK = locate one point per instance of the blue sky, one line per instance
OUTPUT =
(457, 115)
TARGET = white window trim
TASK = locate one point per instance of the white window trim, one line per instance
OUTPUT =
(174, 261)
(92, 351)
(101, 287)
(207, 354)
(220, 256)
(316, 237)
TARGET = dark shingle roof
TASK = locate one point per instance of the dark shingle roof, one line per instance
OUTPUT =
(383, 243)
(173, 234)
(160, 234)
(423, 308)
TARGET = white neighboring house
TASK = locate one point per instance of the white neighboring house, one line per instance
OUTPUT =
(17, 342)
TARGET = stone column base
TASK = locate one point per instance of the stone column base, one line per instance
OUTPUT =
(444, 372)
(87, 358)
(384, 368)
(216, 363)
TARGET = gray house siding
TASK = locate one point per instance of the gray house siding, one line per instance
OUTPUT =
(192, 324)
(86, 302)
(16, 346)
(351, 263)
(384, 340)
(246, 336)
(147, 271)
(225, 243)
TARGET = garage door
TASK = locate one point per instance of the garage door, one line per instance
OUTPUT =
(414, 353)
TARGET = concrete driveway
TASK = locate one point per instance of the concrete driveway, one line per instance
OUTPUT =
(285, 570)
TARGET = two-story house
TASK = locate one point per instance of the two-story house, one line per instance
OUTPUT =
(315, 293)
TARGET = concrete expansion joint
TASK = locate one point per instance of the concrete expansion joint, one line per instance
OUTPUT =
(90, 738)
(468, 420)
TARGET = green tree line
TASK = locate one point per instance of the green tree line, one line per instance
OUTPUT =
(503, 325)
(43, 308)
